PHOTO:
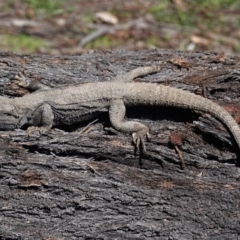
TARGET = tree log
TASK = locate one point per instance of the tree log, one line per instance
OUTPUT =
(87, 183)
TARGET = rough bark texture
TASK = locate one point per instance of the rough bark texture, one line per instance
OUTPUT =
(68, 184)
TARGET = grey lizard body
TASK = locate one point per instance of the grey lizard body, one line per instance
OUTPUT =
(72, 104)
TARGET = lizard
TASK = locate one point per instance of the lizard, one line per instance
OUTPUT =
(47, 108)
(10, 121)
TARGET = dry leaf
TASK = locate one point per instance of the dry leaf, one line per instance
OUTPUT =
(106, 17)
(199, 40)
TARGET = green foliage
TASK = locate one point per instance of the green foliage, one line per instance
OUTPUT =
(47, 6)
(217, 3)
(152, 41)
(215, 20)
(193, 12)
(88, 18)
(103, 43)
(22, 43)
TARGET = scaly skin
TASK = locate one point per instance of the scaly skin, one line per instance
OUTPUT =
(115, 95)
(71, 104)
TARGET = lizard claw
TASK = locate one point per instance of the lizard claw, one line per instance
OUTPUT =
(32, 130)
(21, 80)
(138, 139)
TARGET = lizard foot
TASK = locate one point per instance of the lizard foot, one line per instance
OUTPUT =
(39, 130)
(138, 138)
(21, 80)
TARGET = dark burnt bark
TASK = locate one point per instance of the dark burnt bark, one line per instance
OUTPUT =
(68, 184)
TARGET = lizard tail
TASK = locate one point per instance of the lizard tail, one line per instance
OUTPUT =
(160, 95)
(180, 98)
(221, 114)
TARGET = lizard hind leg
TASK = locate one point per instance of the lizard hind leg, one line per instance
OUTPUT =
(139, 131)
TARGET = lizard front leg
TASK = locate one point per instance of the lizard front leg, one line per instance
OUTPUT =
(117, 112)
(41, 118)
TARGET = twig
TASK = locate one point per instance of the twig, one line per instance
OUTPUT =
(104, 29)
(180, 156)
(85, 128)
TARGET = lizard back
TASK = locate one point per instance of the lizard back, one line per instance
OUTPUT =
(102, 93)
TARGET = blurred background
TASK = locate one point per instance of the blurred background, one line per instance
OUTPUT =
(78, 26)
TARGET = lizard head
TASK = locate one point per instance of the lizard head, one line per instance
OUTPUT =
(8, 116)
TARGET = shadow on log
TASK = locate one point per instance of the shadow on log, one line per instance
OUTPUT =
(68, 184)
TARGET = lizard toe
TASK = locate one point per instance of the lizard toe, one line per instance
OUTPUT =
(36, 130)
(21, 80)
(139, 139)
